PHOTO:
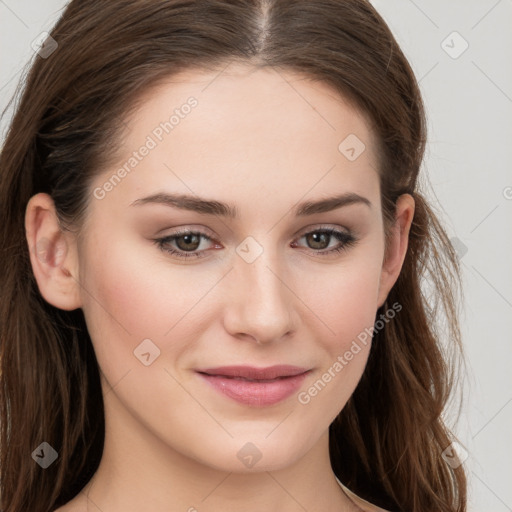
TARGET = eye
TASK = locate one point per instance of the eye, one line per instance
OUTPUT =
(319, 239)
(188, 242)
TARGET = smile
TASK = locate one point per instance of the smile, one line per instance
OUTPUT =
(255, 386)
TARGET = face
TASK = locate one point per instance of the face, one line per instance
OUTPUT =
(171, 294)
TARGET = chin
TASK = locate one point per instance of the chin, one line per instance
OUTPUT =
(253, 454)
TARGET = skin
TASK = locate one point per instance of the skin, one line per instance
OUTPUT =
(261, 140)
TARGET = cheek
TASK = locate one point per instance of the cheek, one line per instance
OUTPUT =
(128, 299)
(345, 300)
(343, 364)
(145, 298)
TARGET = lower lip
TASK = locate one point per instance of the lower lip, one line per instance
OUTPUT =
(253, 392)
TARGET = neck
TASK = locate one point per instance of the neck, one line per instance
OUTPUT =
(138, 471)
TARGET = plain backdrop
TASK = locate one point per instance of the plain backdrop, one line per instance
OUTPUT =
(461, 53)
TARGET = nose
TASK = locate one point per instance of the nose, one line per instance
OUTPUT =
(260, 306)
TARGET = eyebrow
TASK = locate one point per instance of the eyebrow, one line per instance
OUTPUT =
(212, 207)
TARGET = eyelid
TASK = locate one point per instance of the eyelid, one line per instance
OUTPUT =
(208, 233)
(320, 227)
(189, 228)
(345, 236)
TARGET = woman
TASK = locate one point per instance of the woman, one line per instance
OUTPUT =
(214, 242)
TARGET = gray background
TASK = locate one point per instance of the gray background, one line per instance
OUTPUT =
(467, 169)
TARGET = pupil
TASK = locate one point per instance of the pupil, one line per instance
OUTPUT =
(188, 241)
(317, 239)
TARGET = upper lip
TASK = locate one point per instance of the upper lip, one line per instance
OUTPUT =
(250, 372)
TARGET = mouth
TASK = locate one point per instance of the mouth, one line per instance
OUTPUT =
(255, 386)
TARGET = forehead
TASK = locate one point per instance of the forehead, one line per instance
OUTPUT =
(252, 131)
(239, 96)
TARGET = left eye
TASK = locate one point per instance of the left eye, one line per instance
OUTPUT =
(189, 241)
(321, 236)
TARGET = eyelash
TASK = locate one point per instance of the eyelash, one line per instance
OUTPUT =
(347, 239)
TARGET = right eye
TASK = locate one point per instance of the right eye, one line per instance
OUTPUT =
(184, 238)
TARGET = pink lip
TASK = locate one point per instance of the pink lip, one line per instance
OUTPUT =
(255, 386)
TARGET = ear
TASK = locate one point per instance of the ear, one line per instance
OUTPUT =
(53, 254)
(397, 249)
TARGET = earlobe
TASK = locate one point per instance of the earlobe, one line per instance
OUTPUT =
(399, 242)
(53, 254)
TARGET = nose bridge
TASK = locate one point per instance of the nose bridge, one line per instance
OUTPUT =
(261, 303)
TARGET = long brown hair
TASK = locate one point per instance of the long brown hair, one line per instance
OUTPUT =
(386, 443)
